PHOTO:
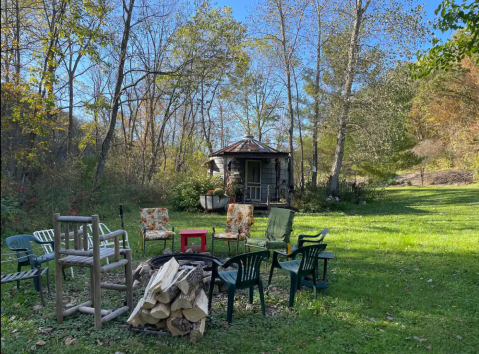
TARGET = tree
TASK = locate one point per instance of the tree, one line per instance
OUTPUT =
(399, 26)
(281, 24)
(464, 19)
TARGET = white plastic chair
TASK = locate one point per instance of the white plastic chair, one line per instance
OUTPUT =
(47, 235)
(108, 243)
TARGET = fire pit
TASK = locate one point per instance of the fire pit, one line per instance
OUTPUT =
(175, 298)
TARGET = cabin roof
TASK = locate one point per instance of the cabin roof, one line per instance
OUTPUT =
(248, 146)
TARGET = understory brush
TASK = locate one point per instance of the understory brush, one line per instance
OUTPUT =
(317, 199)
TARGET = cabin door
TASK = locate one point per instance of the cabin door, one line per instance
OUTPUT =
(253, 179)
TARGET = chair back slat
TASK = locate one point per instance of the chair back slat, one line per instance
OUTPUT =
(249, 265)
(45, 235)
(310, 256)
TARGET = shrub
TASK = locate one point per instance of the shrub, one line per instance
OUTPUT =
(186, 195)
(320, 199)
(219, 192)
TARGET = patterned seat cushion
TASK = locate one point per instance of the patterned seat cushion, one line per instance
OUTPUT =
(229, 235)
(158, 234)
(154, 218)
(239, 219)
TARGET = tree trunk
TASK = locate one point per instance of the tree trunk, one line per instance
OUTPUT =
(70, 115)
(314, 175)
(287, 70)
(115, 100)
(300, 132)
(346, 96)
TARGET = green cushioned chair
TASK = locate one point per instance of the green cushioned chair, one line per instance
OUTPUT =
(278, 231)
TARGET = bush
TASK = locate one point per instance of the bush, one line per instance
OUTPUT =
(186, 195)
(320, 199)
(219, 192)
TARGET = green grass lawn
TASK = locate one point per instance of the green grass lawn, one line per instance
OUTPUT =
(405, 279)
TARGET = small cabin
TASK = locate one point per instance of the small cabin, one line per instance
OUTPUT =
(260, 172)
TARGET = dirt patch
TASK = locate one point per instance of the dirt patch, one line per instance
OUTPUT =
(457, 177)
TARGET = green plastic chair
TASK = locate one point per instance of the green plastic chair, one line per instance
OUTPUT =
(302, 239)
(298, 269)
(247, 276)
(23, 242)
(278, 231)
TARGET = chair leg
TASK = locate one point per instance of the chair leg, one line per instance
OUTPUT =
(251, 295)
(237, 247)
(212, 246)
(40, 290)
(210, 292)
(229, 248)
(261, 296)
(270, 275)
(64, 275)
(144, 246)
(292, 291)
(231, 299)
(48, 280)
(19, 269)
(315, 289)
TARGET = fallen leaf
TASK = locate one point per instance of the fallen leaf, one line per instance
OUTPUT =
(16, 305)
(14, 330)
(3, 339)
(390, 318)
(41, 342)
(279, 350)
(458, 319)
(387, 285)
(429, 347)
(159, 343)
(429, 281)
(459, 337)
(381, 330)
(193, 340)
(373, 319)
(70, 341)
(419, 339)
(37, 308)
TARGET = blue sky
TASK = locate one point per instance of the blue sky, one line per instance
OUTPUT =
(240, 12)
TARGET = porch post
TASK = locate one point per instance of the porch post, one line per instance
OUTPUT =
(225, 169)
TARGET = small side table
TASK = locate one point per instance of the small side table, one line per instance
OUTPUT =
(186, 234)
(324, 284)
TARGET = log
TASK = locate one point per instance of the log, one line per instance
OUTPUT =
(161, 324)
(191, 280)
(178, 326)
(135, 319)
(149, 300)
(146, 315)
(165, 276)
(184, 301)
(198, 329)
(199, 309)
(176, 314)
(161, 311)
(172, 291)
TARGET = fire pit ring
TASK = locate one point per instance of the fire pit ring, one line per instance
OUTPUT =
(158, 261)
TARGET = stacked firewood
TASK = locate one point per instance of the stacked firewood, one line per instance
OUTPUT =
(173, 300)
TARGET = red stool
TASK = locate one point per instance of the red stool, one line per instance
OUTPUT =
(186, 234)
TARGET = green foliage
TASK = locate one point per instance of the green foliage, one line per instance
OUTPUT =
(318, 199)
(186, 195)
(219, 192)
(462, 18)
(10, 208)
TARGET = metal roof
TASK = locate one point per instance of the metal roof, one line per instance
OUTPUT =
(248, 146)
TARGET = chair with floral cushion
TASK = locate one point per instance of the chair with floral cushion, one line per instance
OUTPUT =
(238, 223)
(154, 224)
